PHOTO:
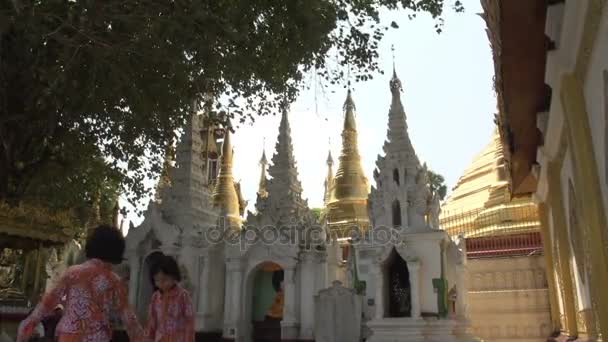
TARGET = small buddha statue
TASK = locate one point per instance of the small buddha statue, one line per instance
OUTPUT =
(276, 309)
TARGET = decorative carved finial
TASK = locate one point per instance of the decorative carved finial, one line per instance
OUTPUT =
(395, 82)
(349, 104)
(264, 160)
(393, 50)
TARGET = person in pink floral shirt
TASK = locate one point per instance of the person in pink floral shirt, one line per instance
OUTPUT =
(91, 291)
(170, 314)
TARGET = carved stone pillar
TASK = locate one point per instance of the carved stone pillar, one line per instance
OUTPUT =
(321, 276)
(228, 301)
(461, 291)
(379, 297)
(236, 293)
(290, 295)
(134, 266)
(414, 269)
(289, 324)
(232, 309)
(203, 300)
(307, 292)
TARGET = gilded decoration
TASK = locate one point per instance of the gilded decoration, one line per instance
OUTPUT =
(480, 204)
(37, 223)
(586, 322)
(560, 283)
(575, 234)
(10, 269)
(581, 322)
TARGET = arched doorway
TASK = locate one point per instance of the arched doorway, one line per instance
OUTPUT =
(267, 303)
(146, 288)
(398, 287)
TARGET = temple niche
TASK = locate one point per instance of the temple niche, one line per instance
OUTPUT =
(271, 281)
(411, 269)
(399, 298)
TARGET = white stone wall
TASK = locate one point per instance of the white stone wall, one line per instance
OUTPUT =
(508, 299)
(565, 23)
(595, 100)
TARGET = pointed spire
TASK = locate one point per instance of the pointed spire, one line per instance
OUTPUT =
(349, 188)
(350, 180)
(263, 160)
(395, 84)
(349, 112)
(329, 180)
(225, 195)
(283, 172)
(187, 193)
(263, 178)
(398, 137)
(227, 150)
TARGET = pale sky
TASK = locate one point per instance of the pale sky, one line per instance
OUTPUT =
(447, 95)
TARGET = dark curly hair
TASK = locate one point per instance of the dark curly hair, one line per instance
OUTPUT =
(168, 266)
(105, 243)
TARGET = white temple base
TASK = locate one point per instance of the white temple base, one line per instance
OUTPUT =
(289, 330)
(418, 330)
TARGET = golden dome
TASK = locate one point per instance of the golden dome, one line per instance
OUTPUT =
(481, 204)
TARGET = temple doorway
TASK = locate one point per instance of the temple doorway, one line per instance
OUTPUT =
(399, 291)
(267, 303)
(146, 288)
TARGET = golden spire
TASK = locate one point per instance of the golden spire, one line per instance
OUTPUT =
(263, 179)
(329, 180)
(350, 181)
(225, 195)
(348, 204)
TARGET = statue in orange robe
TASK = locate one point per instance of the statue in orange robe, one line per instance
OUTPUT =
(276, 310)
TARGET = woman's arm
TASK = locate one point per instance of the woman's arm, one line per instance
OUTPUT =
(129, 319)
(46, 306)
(188, 311)
(151, 324)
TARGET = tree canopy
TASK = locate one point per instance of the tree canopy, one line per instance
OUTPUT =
(95, 90)
(437, 184)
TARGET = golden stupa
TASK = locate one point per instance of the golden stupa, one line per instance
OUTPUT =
(225, 195)
(347, 203)
(263, 178)
(481, 203)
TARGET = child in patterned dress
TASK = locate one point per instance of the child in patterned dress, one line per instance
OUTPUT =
(91, 290)
(170, 314)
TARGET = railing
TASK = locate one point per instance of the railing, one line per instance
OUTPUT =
(505, 245)
(505, 230)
